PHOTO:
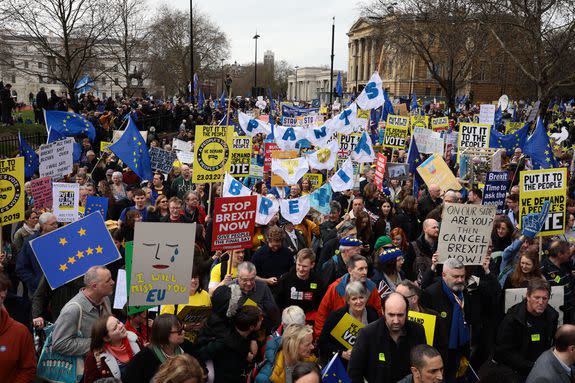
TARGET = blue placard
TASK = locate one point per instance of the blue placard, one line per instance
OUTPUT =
(495, 190)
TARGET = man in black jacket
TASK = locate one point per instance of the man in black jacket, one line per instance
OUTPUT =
(429, 201)
(381, 351)
(527, 330)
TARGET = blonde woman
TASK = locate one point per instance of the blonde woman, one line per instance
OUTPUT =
(297, 346)
(180, 369)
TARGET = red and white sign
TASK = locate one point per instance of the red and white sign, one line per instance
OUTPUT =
(269, 147)
(380, 163)
(234, 222)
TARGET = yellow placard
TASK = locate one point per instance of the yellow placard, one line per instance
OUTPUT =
(472, 135)
(396, 132)
(428, 323)
(363, 113)
(11, 190)
(434, 170)
(104, 147)
(419, 122)
(282, 155)
(440, 123)
(323, 110)
(212, 153)
(346, 330)
(512, 127)
(315, 179)
(537, 186)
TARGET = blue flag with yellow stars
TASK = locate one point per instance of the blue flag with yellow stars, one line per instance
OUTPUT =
(509, 142)
(131, 149)
(335, 371)
(94, 204)
(414, 160)
(31, 159)
(539, 148)
(69, 124)
(68, 252)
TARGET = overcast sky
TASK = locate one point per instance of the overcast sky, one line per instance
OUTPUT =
(298, 31)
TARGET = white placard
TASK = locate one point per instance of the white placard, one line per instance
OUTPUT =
(121, 296)
(428, 141)
(487, 114)
(184, 146)
(56, 159)
(185, 157)
(65, 201)
(514, 296)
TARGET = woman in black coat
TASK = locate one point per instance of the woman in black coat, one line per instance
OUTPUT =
(406, 218)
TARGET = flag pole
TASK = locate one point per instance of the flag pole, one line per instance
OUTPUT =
(229, 105)
(331, 70)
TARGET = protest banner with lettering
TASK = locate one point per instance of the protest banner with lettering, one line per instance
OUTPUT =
(129, 253)
(347, 143)
(315, 180)
(162, 263)
(537, 186)
(514, 296)
(194, 314)
(419, 122)
(118, 133)
(42, 192)
(212, 153)
(428, 141)
(162, 160)
(241, 156)
(121, 294)
(181, 145)
(256, 170)
(289, 121)
(185, 157)
(465, 232)
(434, 170)
(104, 147)
(234, 222)
(346, 331)
(428, 323)
(495, 190)
(396, 132)
(472, 136)
(269, 148)
(65, 201)
(440, 123)
(56, 159)
(487, 114)
(380, 163)
(11, 190)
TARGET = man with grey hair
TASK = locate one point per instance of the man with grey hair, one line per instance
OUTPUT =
(82, 311)
(28, 269)
(183, 184)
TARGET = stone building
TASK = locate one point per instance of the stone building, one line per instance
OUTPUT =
(312, 83)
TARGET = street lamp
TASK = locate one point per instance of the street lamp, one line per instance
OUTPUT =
(295, 93)
(256, 37)
(222, 60)
(191, 51)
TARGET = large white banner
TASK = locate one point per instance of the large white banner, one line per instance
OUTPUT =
(65, 201)
(56, 159)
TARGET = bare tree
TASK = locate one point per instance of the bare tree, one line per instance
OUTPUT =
(442, 33)
(538, 36)
(66, 32)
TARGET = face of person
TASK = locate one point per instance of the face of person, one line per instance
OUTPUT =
(357, 302)
(90, 190)
(32, 220)
(357, 206)
(27, 188)
(157, 180)
(275, 244)
(264, 189)
(432, 229)
(3, 295)
(526, 265)
(80, 179)
(404, 291)
(386, 208)
(431, 373)
(176, 335)
(309, 378)
(537, 302)
(186, 171)
(306, 347)
(511, 204)
(502, 230)
(303, 268)
(359, 272)
(396, 241)
(398, 263)
(238, 257)
(50, 225)
(570, 221)
(175, 209)
(116, 329)
(246, 280)
(454, 279)
(193, 201)
(395, 314)
(105, 285)
(194, 284)
(434, 192)
(294, 191)
(116, 179)
(140, 201)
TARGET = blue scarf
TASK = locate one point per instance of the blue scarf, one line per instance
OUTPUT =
(459, 333)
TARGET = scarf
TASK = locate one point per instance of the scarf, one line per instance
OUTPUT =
(459, 333)
(122, 353)
(28, 229)
(161, 355)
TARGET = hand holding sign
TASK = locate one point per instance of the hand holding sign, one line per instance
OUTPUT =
(533, 223)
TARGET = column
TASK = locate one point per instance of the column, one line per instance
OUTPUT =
(374, 55)
(366, 59)
(360, 59)
(349, 62)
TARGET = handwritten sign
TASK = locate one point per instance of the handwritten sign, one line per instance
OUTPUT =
(181, 145)
(162, 160)
(42, 192)
(56, 159)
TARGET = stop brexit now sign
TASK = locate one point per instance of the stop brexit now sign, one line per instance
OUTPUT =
(234, 222)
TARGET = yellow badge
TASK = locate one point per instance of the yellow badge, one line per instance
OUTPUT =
(557, 279)
(313, 286)
(381, 357)
(443, 314)
(535, 337)
(249, 302)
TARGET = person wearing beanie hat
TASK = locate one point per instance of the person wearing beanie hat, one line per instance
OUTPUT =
(389, 264)
(382, 241)
(336, 266)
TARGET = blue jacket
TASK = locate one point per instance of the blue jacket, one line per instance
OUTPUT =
(27, 267)
(272, 347)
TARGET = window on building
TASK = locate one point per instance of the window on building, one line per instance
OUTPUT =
(25, 64)
(13, 79)
(40, 65)
(427, 92)
(438, 92)
(103, 80)
(12, 64)
(116, 81)
(40, 79)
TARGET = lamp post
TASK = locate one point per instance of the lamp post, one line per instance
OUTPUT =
(191, 50)
(295, 93)
(256, 37)
(222, 60)
(331, 69)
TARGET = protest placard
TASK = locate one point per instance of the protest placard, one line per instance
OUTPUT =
(428, 323)
(282, 155)
(465, 232)
(121, 294)
(346, 331)
(514, 296)
(42, 192)
(495, 190)
(434, 170)
(94, 204)
(11, 190)
(315, 179)
(56, 159)
(289, 121)
(380, 163)
(537, 186)
(162, 263)
(104, 147)
(65, 201)
(397, 170)
(419, 122)
(269, 148)
(451, 139)
(118, 133)
(194, 314)
(181, 145)
(162, 160)
(185, 157)
(512, 127)
(212, 153)
(241, 156)
(347, 143)
(129, 253)
(428, 141)
(396, 132)
(234, 222)
(487, 114)
(472, 136)
(256, 170)
(440, 123)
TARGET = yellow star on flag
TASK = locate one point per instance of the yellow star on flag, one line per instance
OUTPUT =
(99, 249)
(82, 231)
(63, 241)
(89, 251)
(71, 260)
(80, 254)
(63, 267)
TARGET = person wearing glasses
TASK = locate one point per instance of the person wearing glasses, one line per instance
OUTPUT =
(165, 341)
(27, 229)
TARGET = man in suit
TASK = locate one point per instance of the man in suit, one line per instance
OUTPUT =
(554, 366)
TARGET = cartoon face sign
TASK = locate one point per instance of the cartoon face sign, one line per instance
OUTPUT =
(164, 254)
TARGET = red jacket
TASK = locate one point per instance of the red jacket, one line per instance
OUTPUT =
(334, 299)
(17, 354)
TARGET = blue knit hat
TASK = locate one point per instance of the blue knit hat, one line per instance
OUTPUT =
(389, 254)
(350, 241)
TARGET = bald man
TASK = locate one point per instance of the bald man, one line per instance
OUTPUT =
(381, 351)
(429, 201)
(418, 258)
(554, 365)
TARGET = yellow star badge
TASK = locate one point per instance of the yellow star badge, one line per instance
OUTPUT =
(63, 241)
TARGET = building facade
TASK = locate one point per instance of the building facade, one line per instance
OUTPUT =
(312, 83)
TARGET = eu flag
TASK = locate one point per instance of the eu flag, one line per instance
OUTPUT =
(54, 135)
(335, 372)
(509, 142)
(94, 204)
(413, 105)
(131, 149)
(338, 85)
(67, 253)
(387, 107)
(539, 148)
(31, 159)
(222, 101)
(414, 160)
(69, 124)
(200, 99)
(498, 118)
